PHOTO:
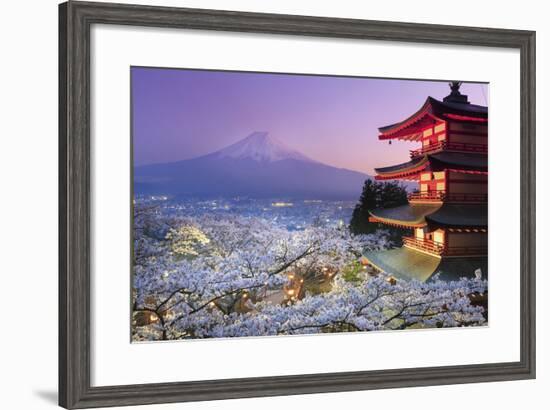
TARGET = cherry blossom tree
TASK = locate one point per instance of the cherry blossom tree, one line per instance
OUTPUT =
(200, 277)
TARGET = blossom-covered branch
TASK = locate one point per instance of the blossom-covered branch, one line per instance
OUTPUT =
(210, 277)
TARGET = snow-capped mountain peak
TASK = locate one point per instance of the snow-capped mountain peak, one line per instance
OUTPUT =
(262, 147)
(257, 166)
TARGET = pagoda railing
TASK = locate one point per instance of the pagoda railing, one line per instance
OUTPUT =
(425, 245)
(426, 196)
(438, 248)
(442, 196)
(449, 146)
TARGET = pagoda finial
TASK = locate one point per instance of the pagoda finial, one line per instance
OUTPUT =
(455, 86)
(455, 96)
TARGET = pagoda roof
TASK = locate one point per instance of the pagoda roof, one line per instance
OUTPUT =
(459, 160)
(431, 112)
(410, 215)
(416, 215)
(441, 160)
(409, 264)
(460, 215)
(404, 169)
(404, 263)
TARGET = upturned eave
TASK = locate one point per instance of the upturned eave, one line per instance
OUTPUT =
(431, 112)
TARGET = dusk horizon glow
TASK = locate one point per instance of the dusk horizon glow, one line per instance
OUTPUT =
(180, 114)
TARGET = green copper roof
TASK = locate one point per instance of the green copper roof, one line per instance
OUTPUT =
(408, 264)
(457, 215)
(407, 215)
(404, 263)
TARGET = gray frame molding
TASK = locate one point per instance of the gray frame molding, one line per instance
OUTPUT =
(75, 19)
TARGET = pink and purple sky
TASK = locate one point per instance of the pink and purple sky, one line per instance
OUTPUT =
(180, 114)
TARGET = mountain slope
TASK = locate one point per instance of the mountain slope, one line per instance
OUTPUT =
(257, 166)
(260, 146)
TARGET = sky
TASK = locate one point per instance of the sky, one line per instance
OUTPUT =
(180, 114)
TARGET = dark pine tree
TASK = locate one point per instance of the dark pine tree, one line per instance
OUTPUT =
(377, 195)
(392, 194)
(368, 200)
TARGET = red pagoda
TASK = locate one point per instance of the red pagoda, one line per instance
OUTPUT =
(447, 214)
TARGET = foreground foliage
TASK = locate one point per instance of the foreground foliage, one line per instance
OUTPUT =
(211, 277)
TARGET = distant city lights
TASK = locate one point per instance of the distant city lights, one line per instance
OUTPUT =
(281, 204)
(291, 214)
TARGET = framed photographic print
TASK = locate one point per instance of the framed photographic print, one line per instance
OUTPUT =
(258, 205)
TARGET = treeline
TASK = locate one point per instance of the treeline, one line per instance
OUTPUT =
(377, 195)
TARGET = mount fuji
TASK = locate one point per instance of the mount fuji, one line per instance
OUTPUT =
(257, 166)
(260, 146)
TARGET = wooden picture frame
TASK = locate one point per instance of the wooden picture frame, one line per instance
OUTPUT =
(75, 20)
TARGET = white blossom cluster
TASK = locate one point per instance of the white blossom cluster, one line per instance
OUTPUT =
(208, 276)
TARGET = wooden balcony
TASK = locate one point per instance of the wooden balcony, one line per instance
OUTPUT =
(442, 196)
(449, 146)
(429, 196)
(440, 249)
(425, 245)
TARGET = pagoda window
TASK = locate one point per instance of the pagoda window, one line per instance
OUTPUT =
(440, 175)
(440, 186)
(440, 128)
(427, 132)
(426, 176)
(420, 233)
(439, 236)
